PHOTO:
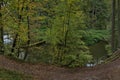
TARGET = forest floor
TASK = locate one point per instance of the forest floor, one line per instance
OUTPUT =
(110, 71)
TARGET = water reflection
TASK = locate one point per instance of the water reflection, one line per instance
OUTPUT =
(7, 39)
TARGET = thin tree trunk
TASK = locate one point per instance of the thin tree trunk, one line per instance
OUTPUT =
(1, 31)
(28, 42)
(19, 24)
(118, 24)
(68, 25)
(113, 26)
(14, 43)
(16, 36)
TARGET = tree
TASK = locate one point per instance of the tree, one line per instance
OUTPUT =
(113, 25)
(118, 8)
(59, 24)
(96, 12)
(64, 36)
(1, 29)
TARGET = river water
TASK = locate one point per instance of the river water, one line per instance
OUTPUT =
(98, 50)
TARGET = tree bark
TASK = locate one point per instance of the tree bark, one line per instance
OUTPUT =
(118, 23)
(1, 31)
(113, 26)
(14, 43)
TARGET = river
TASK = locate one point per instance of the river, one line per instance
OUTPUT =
(98, 50)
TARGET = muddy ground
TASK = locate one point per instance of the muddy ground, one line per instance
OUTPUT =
(110, 71)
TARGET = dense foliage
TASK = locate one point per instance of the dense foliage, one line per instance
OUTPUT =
(53, 31)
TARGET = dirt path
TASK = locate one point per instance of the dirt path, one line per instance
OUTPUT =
(109, 71)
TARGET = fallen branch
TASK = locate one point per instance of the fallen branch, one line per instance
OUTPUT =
(34, 44)
(113, 57)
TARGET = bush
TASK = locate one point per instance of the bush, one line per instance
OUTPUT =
(76, 60)
(93, 36)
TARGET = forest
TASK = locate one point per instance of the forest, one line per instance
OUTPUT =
(56, 35)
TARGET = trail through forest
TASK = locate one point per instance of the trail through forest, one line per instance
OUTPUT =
(109, 71)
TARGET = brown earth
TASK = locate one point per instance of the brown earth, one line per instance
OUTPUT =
(110, 71)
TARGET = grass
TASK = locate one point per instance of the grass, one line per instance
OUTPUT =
(11, 75)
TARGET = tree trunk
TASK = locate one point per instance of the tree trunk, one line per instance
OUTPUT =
(16, 36)
(19, 24)
(118, 24)
(113, 26)
(1, 31)
(14, 43)
(28, 42)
